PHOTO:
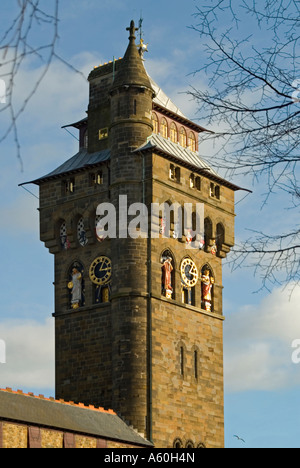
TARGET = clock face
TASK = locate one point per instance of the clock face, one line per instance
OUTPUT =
(100, 271)
(189, 272)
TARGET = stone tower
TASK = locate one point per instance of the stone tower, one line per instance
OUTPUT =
(138, 318)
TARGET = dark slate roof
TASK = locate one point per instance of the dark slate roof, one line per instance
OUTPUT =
(39, 411)
(80, 161)
(186, 157)
(179, 152)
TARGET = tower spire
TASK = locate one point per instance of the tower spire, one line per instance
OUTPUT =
(131, 70)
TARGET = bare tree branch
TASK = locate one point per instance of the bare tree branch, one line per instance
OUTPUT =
(17, 44)
(253, 97)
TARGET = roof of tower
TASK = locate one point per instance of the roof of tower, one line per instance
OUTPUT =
(131, 69)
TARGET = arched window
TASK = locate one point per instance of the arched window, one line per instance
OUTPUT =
(196, 364)
(189, 444)
(192, 141)
(177, 443)
(181, 358)
(220, 237)
(182, 137)
(207, 233)
(215, 191)
(64, 241)
(81, 233)
(167, 275)
(164, 128)
(173, 133)
(155, 122)
(172, 172)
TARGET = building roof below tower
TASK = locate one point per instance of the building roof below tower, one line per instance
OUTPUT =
(63, 416)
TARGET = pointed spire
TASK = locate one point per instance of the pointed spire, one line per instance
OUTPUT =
(131, 71)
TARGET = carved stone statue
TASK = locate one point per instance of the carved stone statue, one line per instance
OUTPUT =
(207, 284)
(76, 288)
(167, 269)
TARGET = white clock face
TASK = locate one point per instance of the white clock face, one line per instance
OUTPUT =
(81, 233)
(189, 272)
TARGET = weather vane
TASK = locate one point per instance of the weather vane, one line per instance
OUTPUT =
(142, 47)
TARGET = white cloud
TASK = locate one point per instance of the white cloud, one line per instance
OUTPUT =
(61, 96)
(258, 344)
(20, 216)
(29, 360)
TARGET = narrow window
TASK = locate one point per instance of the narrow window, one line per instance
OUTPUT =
(164, 128)
(173, 133)
(192, 142)
(97, 178)
(189, 444)
(196, 364)
(81, 233)
(103, 133)
(134, 107)
(182, 137)
(181, 361)
(172, 172)
(215, 191)
(208, 229)
(155, 123)
(177, 444)
(64, 241)
(69, 186)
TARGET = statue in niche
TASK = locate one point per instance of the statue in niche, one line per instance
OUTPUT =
(167, 269)
(214, 248)
(207, 282)
(76, 286)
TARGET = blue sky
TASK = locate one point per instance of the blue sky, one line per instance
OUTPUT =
(261, 382)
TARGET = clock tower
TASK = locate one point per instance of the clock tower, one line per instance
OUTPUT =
(138, 287)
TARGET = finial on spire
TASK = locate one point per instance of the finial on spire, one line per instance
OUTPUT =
(142, 47)
(132, 30)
